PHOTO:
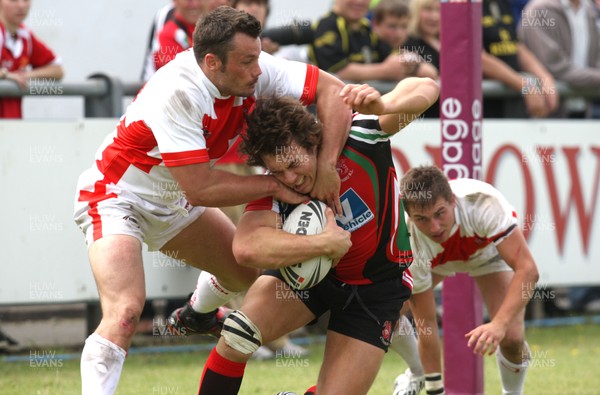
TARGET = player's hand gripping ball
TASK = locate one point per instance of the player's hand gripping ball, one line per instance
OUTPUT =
(306, 219)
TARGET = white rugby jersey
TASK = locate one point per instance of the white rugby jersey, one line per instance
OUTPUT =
(483, 219)
(179, 118)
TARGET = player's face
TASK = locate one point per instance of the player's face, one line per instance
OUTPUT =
(239, 76)
(436, 221)
(294, 166)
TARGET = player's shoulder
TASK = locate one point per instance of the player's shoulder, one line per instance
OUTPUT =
(468, 186)
(280, 71)
(474, 197)
(366, 129)
(269, 63)
(179, 85)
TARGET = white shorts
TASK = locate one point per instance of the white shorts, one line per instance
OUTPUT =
(127, 214)
(421, 273)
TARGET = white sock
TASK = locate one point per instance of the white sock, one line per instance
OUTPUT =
(512, 375)
(434, 385)
(405, 344)
(209, 294)
(101, 364)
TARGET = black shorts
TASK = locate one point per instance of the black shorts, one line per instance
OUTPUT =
(364, 312)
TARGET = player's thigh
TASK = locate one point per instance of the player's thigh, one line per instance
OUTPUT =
(423, 307)
(116, 262)
(349, 365)
(493, 288)
(274, 308)
(206, 244)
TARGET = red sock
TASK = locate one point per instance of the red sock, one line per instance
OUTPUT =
(221, 376)
(311, 391)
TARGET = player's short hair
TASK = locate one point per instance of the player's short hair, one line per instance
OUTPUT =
(275, 123)
(215, 31)
(422, 186)
(393, 8)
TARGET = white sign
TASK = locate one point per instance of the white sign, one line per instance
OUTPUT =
(550, 171)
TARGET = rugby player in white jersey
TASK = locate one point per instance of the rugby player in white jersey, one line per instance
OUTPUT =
(466, 225)
(152, 180)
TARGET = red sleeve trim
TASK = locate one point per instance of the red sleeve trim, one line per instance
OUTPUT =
(185, 157)
(262, 204)
(310, 85)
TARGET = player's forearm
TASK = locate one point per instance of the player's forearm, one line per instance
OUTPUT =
(358, 72)
(272, 248)
(411, 96)
(518, 295)
(222, 189)
(335, 117)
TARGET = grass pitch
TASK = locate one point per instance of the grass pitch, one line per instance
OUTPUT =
(564, 361)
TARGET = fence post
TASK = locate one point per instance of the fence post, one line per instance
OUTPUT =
(109, 105)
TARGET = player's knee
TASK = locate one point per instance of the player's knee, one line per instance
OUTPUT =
(513, 343)
(240, 333)
(126, 319)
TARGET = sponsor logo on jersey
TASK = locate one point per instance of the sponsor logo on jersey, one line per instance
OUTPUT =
(356, 212)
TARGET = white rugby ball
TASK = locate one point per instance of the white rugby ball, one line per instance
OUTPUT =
(306, 219)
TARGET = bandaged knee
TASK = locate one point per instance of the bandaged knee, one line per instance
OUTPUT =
(241, 334)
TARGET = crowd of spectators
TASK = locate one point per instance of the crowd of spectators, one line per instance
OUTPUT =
(528, 45)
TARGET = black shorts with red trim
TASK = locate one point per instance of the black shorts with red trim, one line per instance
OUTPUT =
(364, 312)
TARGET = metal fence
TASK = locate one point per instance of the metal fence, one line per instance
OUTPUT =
(103, 94)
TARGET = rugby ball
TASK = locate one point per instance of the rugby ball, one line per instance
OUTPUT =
(306, 219)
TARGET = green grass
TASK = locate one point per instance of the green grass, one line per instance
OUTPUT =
(565, 361)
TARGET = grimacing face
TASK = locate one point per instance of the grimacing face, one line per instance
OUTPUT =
(435, 221)
(294, 166)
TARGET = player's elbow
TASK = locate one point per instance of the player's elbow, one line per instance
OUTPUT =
(431, 90)
(534, 274)
(531, 273)
(246, 253)
(242, 252)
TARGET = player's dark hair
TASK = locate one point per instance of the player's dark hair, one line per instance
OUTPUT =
(215, 31)
(422, 186)
(275, 123)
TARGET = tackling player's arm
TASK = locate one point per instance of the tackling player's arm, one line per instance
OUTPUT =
(397, 108)
(259, 241)
(515, 252)
(336, 118)
(203, 186)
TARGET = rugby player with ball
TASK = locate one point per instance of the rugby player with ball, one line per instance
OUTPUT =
(368, 243)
